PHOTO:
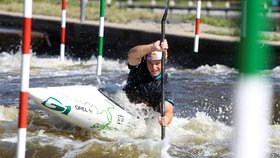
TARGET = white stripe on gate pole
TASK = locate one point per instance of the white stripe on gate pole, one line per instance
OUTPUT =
(197, 25)
(101, 35)
(25, 68)
(254, 99)
(63, 30)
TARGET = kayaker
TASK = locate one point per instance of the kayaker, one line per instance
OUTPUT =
(144, 79)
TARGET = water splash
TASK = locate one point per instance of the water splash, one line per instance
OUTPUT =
(215, 70)
(8, 113)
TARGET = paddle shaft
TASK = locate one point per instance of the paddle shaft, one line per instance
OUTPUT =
(163, 69)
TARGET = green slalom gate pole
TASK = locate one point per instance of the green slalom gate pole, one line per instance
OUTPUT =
(254, 56)
(254, 92)
(101, 36)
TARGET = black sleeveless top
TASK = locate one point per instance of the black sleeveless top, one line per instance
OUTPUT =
(142, 87)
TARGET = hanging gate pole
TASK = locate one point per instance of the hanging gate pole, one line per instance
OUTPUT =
(25, 68)
(101, 35)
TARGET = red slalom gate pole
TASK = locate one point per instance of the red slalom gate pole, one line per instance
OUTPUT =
(25, 68)
(197, 25)
(63, 30)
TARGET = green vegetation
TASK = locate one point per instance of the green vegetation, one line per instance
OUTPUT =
(53, 8)
(124, 15)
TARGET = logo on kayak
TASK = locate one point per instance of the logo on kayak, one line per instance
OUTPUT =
(120, 119)
(54, 104)
(101, 126)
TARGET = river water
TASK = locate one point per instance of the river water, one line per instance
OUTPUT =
(202, 127)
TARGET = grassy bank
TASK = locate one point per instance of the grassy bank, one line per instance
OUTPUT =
(53, 8)
(117, 14)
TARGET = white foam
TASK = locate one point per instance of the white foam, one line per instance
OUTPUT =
(52, 66)
(215, 70)
(10, 139)
(8, 113)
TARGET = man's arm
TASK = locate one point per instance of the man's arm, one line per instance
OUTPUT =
(136, 53)
(168, 115)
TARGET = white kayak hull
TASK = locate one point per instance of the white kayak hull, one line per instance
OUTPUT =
(83, 106)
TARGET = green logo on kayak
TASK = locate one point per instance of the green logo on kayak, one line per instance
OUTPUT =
(99, 126)
(56, 105)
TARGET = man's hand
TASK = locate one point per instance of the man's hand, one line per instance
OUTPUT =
(160, 46)
(166, 120)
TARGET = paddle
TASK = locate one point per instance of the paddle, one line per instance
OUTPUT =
(162, 68)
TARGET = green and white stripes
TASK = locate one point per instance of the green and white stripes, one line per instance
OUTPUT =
(101, 36)
(254, 91)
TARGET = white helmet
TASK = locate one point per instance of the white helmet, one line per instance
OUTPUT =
(155, 55)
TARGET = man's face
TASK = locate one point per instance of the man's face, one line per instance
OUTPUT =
(154, 67)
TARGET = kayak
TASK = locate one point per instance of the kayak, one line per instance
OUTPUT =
(83, 106)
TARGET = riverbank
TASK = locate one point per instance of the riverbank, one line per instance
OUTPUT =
(172, 27)
(82, 40)
(143, 18)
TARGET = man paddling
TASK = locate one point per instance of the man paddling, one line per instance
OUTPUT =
(144, 79)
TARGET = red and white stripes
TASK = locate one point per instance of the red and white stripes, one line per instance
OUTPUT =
(197, 25)
(63, 30)
(25, 68)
